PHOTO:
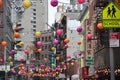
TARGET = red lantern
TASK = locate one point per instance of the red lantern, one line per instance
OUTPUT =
(100, 26)
(4, 43)
(66, 41)
(1, 3)
(26, 51)
(89, 36)
(16, 35)
(79, 43)
(59, 32)
(81, 1)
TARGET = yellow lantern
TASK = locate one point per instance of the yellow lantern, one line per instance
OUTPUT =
(21, 44)
(37, 34)
(26, 3)
(11, 63)
(53, 48)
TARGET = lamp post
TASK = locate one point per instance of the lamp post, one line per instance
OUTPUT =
(4, 44)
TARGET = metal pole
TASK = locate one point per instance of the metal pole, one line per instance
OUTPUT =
(112, 73)
(5, 64)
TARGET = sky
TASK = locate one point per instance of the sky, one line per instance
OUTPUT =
(52, 11)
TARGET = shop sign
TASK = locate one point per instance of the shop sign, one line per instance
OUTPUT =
(111, 16)
(114, 39)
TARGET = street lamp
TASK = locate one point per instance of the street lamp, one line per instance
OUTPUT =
(4, 44)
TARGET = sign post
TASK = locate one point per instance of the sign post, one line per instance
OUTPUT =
(111, 16)
(111, 19)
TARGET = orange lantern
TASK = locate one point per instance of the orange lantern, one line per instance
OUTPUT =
(66, 41)
(16, 35)
(1, 3)
(79, 43)
(63, 63)
(4, 43)
(100, 26)
(39, 50)
(21, 65)
(57, 58)
(10, 58)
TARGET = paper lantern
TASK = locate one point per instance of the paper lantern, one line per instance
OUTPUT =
(79, 43)
(33, 59)
(10, 58)
(22, 60)
(80, 53)
(59, 32)
(16, 35)
(65, 46)
(39, 43)
(89, 36)
(1, 60)
(11, 63)
(57, 58)
(68, 56)
(81, 1)
(56, 42)
(39, 50)
(66, 41)
(79, 29)
(26, 51)
(13, 52)
(4, 43)
(1, 3)
(21, 44)
(63, 63)
(54, 3)
(100, 26)
(26, 3)
(72, 63)
(37, 34)
(53, 48)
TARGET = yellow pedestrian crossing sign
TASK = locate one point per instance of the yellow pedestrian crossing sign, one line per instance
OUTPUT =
(111, 16)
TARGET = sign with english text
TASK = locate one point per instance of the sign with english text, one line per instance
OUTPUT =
(111, 16)
(114, 39)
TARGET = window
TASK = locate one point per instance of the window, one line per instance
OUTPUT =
(34, 13)
(42, 38)
(34, 9)
(34, 30)
(34, 26)
(34, 17)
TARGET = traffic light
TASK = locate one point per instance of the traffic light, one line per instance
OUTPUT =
(52, 60)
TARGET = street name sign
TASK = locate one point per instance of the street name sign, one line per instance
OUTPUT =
(111, 16)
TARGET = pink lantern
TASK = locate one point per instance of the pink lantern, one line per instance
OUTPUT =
(59, 32)
(89, 36)
(66, 46)
(56, 42)
(68, 56)
(81, 1)
(26, 51)
(54, 3)
(13, 51)
(1, 60)
(39, 43)
(33, 59)
(79, 29)
(80, 53)
(22, 60)
(42, 66)
(73, 61)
